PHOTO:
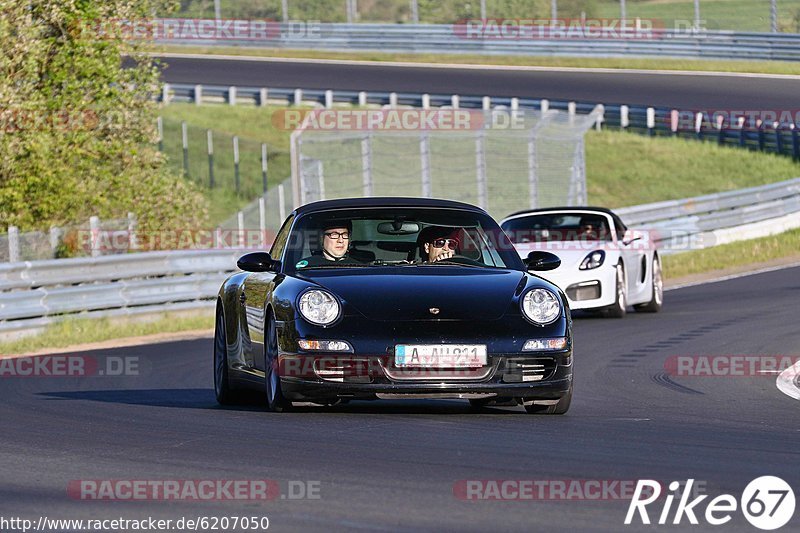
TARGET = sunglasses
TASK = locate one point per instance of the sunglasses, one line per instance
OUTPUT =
(439, 243)
(335, 235)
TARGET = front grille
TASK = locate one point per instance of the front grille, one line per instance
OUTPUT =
(588, 290)
(436, 374)
(531, 369)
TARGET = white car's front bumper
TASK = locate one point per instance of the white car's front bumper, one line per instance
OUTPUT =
(582, 286)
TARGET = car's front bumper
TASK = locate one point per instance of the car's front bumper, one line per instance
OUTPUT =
(531, 376)
(577, 285)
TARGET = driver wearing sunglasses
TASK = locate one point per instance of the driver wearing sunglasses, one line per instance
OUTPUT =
(437, 243)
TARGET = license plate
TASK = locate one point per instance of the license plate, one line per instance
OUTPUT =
(440, 355)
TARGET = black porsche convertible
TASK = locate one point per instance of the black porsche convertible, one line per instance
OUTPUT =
(375, 298)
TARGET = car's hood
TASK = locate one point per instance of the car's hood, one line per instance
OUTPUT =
(410, 293)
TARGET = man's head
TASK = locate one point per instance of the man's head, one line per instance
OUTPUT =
(437, 243)
(335, 238)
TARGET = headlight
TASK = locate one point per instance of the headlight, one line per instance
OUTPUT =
(319, 307)
(593, 260)
(541, 306)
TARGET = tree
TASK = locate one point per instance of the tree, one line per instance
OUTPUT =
(77, 127)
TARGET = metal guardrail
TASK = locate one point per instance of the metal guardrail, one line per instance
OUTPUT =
(35, 294)
(655, 121)
(458, 39)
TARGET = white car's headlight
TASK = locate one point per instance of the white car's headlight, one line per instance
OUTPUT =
(319, 307)
(593, 260)
(541, 306)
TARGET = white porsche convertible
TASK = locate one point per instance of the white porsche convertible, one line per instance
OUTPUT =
(604, 265)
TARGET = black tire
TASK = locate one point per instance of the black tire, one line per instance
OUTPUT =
(657, 300)
(557, 409)
(222, 388)
(276, 403)
(619, 308)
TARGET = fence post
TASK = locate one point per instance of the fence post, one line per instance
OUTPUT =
(236, 162)
(281, 203)
(198, 94)
(415, 11)
(160, 126)
(425, 163)
(240, 225)
(263, 96)
(720, 129)
(264, 167)
(185, 141)
(165, 94)
(13, 244)
(210, 138)
(773, 16)
(533, 192)
(262, 220)
(94, 231)
(321, 180)
(480, 163)
(285, 12)
(132, 222)
(55, 238)
(232, 95)
(366, 165)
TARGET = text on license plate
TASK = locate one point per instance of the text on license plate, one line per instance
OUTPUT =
(440, 355)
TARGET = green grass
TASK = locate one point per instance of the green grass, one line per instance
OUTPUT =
(75, 332)
(628, 169)
(736, 254)
(699, 65)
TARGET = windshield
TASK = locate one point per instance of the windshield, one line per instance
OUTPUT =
(383, 237)
(549, 227)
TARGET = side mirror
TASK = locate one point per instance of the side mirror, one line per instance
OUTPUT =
(542, 261)
(257, 262)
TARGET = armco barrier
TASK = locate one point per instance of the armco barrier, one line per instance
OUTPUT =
(457, 39)
(35, 294)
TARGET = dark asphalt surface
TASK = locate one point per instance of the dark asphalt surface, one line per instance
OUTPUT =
(670, 90)
(392, 465)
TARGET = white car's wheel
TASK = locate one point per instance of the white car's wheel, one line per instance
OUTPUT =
(657, 300)
(620, 305)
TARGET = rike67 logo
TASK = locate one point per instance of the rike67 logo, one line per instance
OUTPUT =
(767, 503)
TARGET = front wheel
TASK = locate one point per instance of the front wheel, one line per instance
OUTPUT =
(276, 402)
(619, 307)
(657, 300)
(556, 409)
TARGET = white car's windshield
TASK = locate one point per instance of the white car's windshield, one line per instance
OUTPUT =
(564, 227)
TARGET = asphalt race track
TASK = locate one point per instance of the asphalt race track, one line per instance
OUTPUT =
(393, 465)
(694, 91)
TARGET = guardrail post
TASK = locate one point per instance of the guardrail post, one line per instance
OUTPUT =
(742, 138)
(298, 97)
(160, 128)
(455, 101)
(426, 101)
(328, 99)
(795, 144)
(236, 162)
(263, 96)
(185, 143)
(698, 125)
(264, 163)
(210, 140)
(362, 99)
(13, 244)
(486, 103)
(674, 116)
(624, 117)
(651, 121)
(571, 109)
(198, 94)
(720, 129)
(165, 94)
(600, 118)
(94, 231)
(544, 105)
(515, 104)
(393, 100)
(262, 220)
(231, 95)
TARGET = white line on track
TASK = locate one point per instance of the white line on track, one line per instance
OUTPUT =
(471, 66)
(787, 381)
